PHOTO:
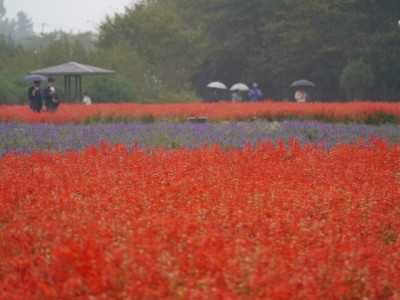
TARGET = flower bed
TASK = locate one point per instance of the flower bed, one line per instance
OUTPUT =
(370, 112)
(25, 138)
(269, 222)
(222, 210)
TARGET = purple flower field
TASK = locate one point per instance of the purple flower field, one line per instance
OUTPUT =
(24, 137)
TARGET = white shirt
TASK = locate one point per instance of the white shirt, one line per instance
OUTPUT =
(86, 100)
(300, 96)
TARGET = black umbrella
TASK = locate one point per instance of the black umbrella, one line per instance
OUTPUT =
(302, 82)
(34, 77)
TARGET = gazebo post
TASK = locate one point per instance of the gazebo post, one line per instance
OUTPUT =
(75, 93)
(67, 88)
(80, 87)
(76, 88)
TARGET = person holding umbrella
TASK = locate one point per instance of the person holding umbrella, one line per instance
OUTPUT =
(213, 95)
(300, 96)
(35, 96)
(236, 96)
(236, 89)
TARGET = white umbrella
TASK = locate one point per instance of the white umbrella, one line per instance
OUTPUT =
(239, 87)
(217, 85)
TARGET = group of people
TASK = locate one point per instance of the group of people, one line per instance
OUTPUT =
(36, 95)
(254, 94)
(48, 95)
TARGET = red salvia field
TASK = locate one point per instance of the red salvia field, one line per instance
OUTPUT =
(270, 222)
(350, 111)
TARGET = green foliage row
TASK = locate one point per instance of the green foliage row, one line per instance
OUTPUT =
(357, 77)
(103, 88)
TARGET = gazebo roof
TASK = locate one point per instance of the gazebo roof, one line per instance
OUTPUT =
(72, 68)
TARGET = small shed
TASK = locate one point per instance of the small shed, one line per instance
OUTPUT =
(72, 72)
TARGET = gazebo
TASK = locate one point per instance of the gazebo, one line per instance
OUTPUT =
(72, 71)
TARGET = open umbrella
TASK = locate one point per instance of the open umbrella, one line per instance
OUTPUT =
(302, 82)
(34, 77)
(217, 85)
(239, 87)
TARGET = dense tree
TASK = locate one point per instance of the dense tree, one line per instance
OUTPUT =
(2, 9)
(315, 39)
(5, 24)
(277, 42)
(23, 27)
(231, 32)
(357, 77)
(381, 47)
(18, 29)
(156, 35)
(11, 56)
(109, 89)
(303, 40)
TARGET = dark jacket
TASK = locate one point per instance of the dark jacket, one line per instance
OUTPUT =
(255, 94)
(35, 99)
(51, 101)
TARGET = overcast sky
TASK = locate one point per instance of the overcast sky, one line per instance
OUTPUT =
(67, 15)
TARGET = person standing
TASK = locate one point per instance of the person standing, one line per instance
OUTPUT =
(50, 96)
(213, 96)
(86, 99)
(236, 97)
(255, 93)
(35, 97)
(300, 96)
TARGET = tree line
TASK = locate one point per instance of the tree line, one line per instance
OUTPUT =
(167, 51)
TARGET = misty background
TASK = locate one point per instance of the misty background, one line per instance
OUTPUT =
(168, 50)
(69, 16)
